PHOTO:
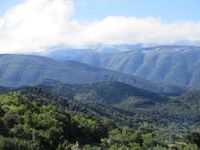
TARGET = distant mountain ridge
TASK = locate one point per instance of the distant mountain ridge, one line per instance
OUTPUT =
(19, 70)
(179, 65)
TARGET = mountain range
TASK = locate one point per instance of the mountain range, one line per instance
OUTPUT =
(78, 95)
(19, 70)
(178, 65)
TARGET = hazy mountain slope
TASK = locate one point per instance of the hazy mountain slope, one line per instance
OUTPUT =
(62, 52)
(3, 89)
(178, 65)
(17, 70)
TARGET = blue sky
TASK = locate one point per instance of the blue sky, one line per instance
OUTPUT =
(166, 10)
(6, 4)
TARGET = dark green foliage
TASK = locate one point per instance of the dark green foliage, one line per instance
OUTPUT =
(193, 137)
(16, 144)
(105, 92)
(120, 103)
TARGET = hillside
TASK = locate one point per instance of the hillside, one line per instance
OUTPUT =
(105, 92)
(25, 125)
(18, 70)
(120, 103)
(179, 65)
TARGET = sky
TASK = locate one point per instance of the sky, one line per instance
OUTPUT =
(35, 25)
(167, 10)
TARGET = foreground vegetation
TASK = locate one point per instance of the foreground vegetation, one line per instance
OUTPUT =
(26, 125)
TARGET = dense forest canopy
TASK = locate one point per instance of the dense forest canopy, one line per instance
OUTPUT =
(32, 118)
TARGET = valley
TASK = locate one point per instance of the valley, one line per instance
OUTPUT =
(74, 102)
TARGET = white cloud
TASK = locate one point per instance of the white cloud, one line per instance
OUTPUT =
(37, 24)
(119, 30)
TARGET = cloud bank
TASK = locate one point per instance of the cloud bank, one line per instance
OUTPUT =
(35, 25)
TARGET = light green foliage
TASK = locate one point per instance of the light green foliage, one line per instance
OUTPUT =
(47, 127)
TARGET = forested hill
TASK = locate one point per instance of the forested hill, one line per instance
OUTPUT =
(120, 103)
(104, 92)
